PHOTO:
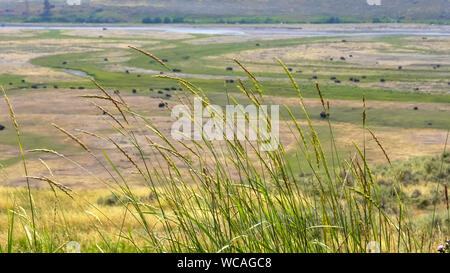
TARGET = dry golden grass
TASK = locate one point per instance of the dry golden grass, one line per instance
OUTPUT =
(79, 219)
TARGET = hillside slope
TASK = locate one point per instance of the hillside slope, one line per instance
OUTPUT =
(296, 10)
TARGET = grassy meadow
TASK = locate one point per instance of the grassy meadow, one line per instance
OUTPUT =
(86, 153)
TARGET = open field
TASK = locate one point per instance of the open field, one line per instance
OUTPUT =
(404, 80)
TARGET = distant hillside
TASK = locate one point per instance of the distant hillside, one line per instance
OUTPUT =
(225, 11)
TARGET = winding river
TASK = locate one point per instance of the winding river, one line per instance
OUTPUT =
(310, 30)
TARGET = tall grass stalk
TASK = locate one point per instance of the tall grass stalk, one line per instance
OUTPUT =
(19, 143)
(229, 196)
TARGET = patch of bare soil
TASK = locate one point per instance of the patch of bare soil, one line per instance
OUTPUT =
(312, 102)
(363, 53)
(400, 144)
(423, 86)
(430, 43)
(316, 51)
(7, 152)
(19, 33)
(16, 62)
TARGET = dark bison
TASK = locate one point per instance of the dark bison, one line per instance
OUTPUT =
(324, 115)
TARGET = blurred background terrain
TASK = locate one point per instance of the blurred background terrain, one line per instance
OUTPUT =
(230, 11)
